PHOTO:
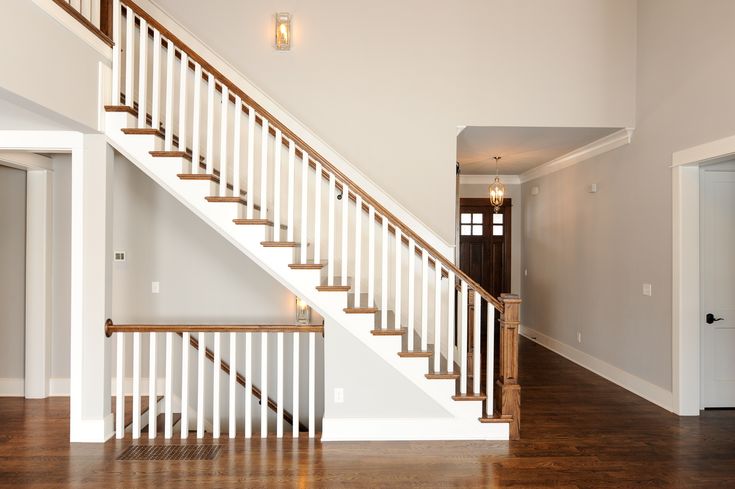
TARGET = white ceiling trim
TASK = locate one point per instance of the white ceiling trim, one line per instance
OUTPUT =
(488, 179)
(25, 160)
(602, 145)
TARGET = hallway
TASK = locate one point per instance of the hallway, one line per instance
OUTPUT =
(578, 431)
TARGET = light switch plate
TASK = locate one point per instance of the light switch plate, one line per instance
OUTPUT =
(339, 395)
(155, 287)
(647, 289)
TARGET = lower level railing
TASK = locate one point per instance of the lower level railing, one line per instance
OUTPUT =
(250, 360)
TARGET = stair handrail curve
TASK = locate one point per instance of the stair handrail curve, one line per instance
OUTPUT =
(314, 155)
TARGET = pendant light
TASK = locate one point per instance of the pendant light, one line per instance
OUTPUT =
(496, 189)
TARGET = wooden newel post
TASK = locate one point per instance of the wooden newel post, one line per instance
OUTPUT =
(106, 17)
(507, 390)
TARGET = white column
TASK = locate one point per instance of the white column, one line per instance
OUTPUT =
(39, 228)
(91, 248)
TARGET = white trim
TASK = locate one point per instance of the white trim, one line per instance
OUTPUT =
(24, 160)
(298, 127)
(685, 305)
(488, 179)
(460, 129)
(602, 145)
(636, 385)
(59, 387)
(395, 429)
(10, 387)
(63, 18)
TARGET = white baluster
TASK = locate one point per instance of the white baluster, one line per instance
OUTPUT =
(120, 388)
(463, 338)
(156, 84)
(277, 186)
(129, 57)
(384, 275)
(216, 369)
(345, 232)
(263, 385)
(200, 384)
(424, 300)
(169, 136)
(184, 423)
(489, 360)
(196, 118)
(437, 316)
(312, 382)
(183, 72)
(209, 150)
(248, 385)
(116, 52)
(168, 390)
(279, 386)
(476, 349)
(451, 320)
(398, 291)
(142, 75)
(371, 257)
(358, 250)
(236, 148)
(295, 400)
(136, 385)
(318, 213)
(290, 198)
(223, 142)
(152, 394)
(304, 203)
(264, 170)
(251, 163)
(233, 385)
(411, 291)
(330, 230)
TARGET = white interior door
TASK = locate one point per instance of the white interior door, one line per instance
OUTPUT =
(718, 284)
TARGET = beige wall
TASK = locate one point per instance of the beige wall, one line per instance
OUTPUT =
(589, 254)
(12, 271)
(386, 83)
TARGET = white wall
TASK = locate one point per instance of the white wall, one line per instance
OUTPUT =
(45, 63)
(12, 272)
(468, 190)
(386, 83)
(589, 254)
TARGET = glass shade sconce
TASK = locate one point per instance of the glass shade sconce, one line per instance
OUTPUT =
(283, 31)
(303, 311)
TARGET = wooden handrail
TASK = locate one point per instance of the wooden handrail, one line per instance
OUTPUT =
(111, 328)
(97, 31)
(313, 154)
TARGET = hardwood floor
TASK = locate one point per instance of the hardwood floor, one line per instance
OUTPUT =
(578, 431)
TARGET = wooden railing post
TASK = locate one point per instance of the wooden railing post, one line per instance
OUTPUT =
(106, 17)
(507, 389)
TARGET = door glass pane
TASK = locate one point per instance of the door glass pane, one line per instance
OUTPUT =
(477, 218)
(465, 218)
(497, 218)
(477, 230)
(497, 230)
(466, 230)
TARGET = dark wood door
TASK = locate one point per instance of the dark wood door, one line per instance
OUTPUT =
(484, 244)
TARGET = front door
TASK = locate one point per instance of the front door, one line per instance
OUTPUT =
(718, 285)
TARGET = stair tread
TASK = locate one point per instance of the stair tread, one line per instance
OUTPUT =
(333, 288)
(442, 375)
(120, 108)
(389, 332)
(470, 397)
(415, 354)
(198, 176)
(171, 154)
(306, 266)
(280, 244)
(231, 199)
(253, 222)
(495, 420)
(142, 131)
(360, 310)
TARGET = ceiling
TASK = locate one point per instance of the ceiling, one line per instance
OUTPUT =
(521, 148)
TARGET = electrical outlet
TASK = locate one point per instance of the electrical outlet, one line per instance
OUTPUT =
(647, 289)
(579, 337)
(119, 256)
(155, 287)
(525, 272)
(339, 395)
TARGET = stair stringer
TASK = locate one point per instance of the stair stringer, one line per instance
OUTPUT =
(461, 421)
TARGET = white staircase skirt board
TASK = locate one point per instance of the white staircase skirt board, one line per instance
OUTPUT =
(302, 283)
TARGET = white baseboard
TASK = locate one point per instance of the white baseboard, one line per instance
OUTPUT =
(651, 392)
(10, 387)
(59, 387)
(398, 429)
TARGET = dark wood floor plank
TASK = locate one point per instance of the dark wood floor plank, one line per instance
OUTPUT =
(579, 431)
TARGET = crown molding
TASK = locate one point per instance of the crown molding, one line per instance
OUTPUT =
(602, 145)
(488, 179)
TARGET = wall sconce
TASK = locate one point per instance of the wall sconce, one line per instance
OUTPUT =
(303, 311)
(283, 31)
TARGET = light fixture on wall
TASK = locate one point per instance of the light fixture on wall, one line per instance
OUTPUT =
(283, 31)
(303, 311)
(496, 189)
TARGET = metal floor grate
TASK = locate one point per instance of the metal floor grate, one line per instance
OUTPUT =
(170, 452)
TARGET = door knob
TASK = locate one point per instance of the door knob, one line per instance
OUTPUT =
(710, 318)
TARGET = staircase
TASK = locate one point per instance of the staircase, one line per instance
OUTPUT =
(316, 231)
